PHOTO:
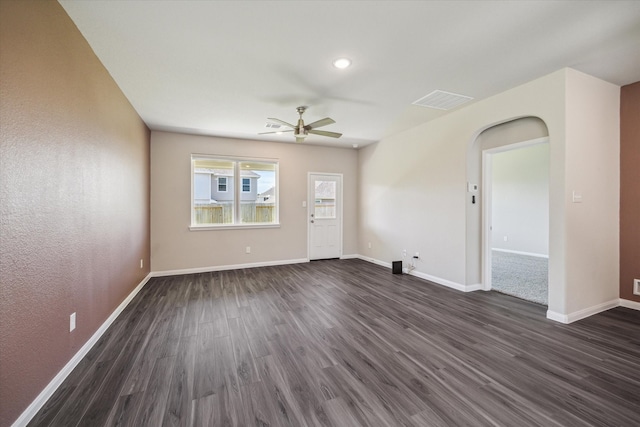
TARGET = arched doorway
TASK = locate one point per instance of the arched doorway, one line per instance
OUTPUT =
(495, 139)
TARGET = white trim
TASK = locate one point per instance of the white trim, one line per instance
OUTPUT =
(445, 282)
(521, 253)
(234, 226)
(557, 317)
(374, 261)
(226, 267)
(351, 256)
(581, 314)
(430, 278)
(486, 220)
(634, 305)
(57, 381)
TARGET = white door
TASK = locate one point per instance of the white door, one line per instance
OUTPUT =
(325, 215)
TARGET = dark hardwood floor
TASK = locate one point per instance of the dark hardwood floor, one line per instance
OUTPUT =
(346, 343)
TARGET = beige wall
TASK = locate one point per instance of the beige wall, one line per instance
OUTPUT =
(175, 247)
(74, 197)
(413, 187)
(629, 190)
(592, 169)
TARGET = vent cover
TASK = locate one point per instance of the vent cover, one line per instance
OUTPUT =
(442, 100)
(273, 126)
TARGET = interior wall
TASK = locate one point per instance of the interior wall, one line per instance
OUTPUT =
(629, 190)
(520, 196)
(74, 197)
(593, 173)
(413, 187)
(175, 247)
(499, 135)
(414, 184)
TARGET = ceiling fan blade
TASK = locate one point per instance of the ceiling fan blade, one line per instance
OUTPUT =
(326, 133)
(281, 122)
(278, 131)
(320, 123)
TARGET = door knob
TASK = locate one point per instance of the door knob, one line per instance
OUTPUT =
(312, 221)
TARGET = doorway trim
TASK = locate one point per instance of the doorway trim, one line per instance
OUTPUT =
(487, 156)
(309, 207)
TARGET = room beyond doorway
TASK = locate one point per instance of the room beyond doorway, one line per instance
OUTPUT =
(517, 201)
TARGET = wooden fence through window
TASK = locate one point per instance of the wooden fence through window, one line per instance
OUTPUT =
(223, 213)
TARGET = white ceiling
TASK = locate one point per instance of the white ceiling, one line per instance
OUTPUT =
(222, 67)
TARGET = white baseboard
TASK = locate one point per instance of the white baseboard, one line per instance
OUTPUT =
(53, 385)
(630, 304)
(520, 253)
(350, 256)
(557, 317)
(581, 314)
(374, 261)
(226, 267)
(430, 278)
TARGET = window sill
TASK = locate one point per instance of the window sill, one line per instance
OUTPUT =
(231, 227)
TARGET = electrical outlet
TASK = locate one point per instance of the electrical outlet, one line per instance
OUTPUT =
(404, 253)
(247, 250)
(141, 263)
(506, 238)
(72, 322)
(636, 286)
(369, 245)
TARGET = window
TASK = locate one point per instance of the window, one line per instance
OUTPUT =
(222, 184)
(325, 200)
(228, 192)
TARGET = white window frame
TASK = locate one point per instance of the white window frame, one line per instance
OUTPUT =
(237, 193)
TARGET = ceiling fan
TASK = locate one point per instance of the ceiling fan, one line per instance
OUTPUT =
(300, 131)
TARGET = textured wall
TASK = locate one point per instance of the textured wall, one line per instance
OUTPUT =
(174, 247)
(629, 189)
(74, 197)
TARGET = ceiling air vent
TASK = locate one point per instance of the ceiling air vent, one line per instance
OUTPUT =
(442, 100)
(272, 126)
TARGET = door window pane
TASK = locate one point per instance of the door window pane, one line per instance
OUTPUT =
(325, 200)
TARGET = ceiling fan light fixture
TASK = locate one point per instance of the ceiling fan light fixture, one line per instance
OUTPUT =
(342, 63)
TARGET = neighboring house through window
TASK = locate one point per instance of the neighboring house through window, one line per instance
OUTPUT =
(246, 185)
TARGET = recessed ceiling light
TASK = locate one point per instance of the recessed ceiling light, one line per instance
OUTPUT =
(342, 63)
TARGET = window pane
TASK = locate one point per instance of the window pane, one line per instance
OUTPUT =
(218, 208)
(258, 202)
(325, 200)
(202, 187)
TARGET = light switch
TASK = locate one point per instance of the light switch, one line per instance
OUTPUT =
(304, 203)
(576, 197)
